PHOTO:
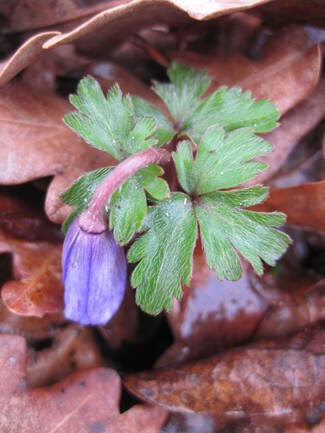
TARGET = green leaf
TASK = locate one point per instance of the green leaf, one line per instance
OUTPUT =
(164, 253)
(226, 227)
(222, 160)
(82, 190)
(109, 124)
(231, 109)
(164, 131)
(181, 95)
(128, 206)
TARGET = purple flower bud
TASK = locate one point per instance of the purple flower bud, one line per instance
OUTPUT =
(94, 275)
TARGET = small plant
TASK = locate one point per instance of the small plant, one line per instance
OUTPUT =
(212, 143)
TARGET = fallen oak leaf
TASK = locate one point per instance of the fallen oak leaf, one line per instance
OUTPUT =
(35, 142)
(121, 20)
(294, 126)
(49, 147)
(38, 289)
(285, 73)
(28, 15)
(26, 54)
(214, 315)
(85, 402)
(32, 328)
(266, 382)
(303, 204)
(292, 309)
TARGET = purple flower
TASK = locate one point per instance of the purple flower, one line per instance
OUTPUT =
(94, 275)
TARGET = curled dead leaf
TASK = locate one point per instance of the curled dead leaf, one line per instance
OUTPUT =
(24, 56)
(37, 289)
(32, 328)
(293, 127)
(265, 383)
(133, 15)
(35, 142)
(25, 15)
(85, 402)
(303, 204)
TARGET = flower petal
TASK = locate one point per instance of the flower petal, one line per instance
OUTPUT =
(94, 275)
(107, 279)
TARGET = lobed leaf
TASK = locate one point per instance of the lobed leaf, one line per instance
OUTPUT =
(164, 253)
(226, 227)
(182, 94)
(231, 109)
(109, 124)
(128, 206)
(222, 160)
(164, 131)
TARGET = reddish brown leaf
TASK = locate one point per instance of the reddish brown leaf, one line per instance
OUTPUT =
(32, 14)
(212, 315)
(216, 314)
(35, 143)
(129, 17)
(292, 309)
(266, 382)
(38, 289)
(303, 204)
(73, 349)
(24, 56)
(85, 402)
(32, 328)
(293, 127)
(286, 73)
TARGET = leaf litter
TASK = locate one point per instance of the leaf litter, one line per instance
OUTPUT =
(242, 356)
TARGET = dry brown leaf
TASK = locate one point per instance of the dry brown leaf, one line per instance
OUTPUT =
(32, 14)
(130, 17)
(85, 402)
(29, 52)
(267, 383)
(293, 307)
(37, 289)
(32, 328)
(73, 349)
(286, 72)
(303, 204)
(35, 142)
(214, 315)
(293, 127)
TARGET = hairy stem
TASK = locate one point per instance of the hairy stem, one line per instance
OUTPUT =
(93, 219)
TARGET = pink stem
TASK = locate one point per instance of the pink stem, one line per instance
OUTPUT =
(93, 219)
